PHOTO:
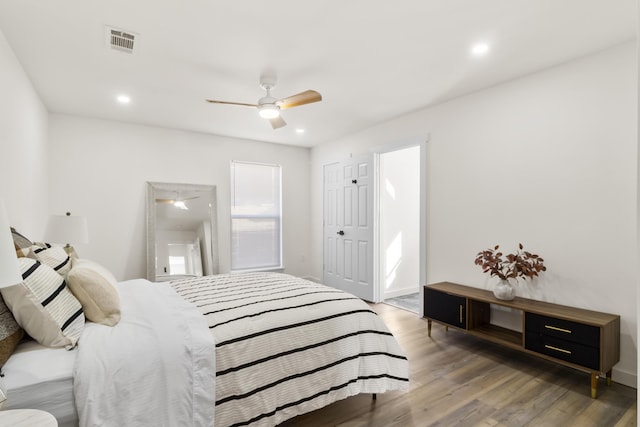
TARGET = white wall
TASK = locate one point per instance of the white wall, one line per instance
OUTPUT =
(400, 221)
(99, 169)
(548, 160)
(23, 147)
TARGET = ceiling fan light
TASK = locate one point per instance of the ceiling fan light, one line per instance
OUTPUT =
(269, 111)
(180, 205)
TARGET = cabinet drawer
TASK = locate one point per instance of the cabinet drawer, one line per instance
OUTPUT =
(565, 350)
(564, 329)
(447, 308)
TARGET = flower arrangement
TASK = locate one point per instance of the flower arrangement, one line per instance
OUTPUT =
(521, 264)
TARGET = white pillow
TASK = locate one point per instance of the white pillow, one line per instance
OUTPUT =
(95, 288)
(44, 307)
(53, 256)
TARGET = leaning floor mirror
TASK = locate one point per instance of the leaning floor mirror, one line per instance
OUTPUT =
(181, 231)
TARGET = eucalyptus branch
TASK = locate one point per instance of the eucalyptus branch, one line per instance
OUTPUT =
(521, 264)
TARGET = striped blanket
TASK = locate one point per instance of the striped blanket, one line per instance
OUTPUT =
(286, 346)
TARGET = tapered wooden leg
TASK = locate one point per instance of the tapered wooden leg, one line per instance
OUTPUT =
(609, 377)
(594, 385)
(446, 329)
(374, 397)
(429, 328)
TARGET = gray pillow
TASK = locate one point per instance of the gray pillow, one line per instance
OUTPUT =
(10, 333)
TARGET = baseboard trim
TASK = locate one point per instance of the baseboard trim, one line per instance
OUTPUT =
(625, 378)
(312, 279)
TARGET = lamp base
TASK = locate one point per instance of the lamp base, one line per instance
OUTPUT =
(70, 250)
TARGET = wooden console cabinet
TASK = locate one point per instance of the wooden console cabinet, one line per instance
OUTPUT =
(582, 339)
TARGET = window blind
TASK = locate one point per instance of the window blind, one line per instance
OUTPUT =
(256, 219)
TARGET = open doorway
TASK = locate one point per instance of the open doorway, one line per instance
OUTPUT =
(399, 221)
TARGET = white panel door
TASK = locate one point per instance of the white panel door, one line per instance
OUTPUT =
(331, 200)
(348, 226)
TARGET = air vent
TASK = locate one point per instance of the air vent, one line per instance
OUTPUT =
(120, 40)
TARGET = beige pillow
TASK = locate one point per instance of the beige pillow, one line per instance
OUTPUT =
(95, 288)
(43, 305)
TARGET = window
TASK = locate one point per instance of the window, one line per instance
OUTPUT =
(256, 222)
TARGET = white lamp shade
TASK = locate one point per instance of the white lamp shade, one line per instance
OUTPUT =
(9, 268)
(67, 229)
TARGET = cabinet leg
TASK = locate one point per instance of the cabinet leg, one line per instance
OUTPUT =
(429, 328)
(609, 377)
(594, 385)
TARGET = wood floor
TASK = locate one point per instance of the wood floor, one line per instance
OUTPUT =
(460, 380)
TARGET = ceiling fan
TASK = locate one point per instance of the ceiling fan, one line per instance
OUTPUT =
(269, 107)
(178, 202)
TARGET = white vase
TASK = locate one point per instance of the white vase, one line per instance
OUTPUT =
(504, 290)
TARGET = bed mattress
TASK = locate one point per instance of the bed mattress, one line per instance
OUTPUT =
(39, 377)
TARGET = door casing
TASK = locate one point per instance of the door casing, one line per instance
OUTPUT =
(376, 293)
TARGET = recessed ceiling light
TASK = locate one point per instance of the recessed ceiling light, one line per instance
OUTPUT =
(480, 49)
(123, 99)
(300, 131)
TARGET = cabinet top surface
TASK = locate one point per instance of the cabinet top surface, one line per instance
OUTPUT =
(539, 307)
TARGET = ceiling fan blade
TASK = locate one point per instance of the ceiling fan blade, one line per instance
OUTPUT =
(213, 101)
(302, 98)
(277, 122)
(165, 200)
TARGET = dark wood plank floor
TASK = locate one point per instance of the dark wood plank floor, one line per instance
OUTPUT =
(460, 380)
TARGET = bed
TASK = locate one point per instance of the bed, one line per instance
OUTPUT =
(286, 346)
(155, 367)
(261, 348)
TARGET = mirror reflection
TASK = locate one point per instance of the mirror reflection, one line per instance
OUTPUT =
(181, 231)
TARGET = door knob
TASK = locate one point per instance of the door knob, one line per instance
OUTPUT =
(340, 233)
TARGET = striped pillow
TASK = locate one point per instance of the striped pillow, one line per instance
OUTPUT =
(53, 256)
(44, 307)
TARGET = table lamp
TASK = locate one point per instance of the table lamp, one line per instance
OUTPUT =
(66, 229)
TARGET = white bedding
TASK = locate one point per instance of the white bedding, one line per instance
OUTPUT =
(286, 346)
(39, 377)
(155, 368)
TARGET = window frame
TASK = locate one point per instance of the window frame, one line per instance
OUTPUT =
(278, 218)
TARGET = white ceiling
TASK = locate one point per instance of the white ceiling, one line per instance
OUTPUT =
(371, 60)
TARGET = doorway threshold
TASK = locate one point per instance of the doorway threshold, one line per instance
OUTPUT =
(409, 302)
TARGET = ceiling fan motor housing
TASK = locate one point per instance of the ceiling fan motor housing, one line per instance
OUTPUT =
(267, 107)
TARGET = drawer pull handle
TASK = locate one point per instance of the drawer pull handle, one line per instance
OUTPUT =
(557, 329)
(460, 313)
(557, 349)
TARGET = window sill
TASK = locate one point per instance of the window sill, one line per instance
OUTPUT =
(257, 270)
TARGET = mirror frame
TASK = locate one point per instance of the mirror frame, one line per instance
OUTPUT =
(152, 188)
